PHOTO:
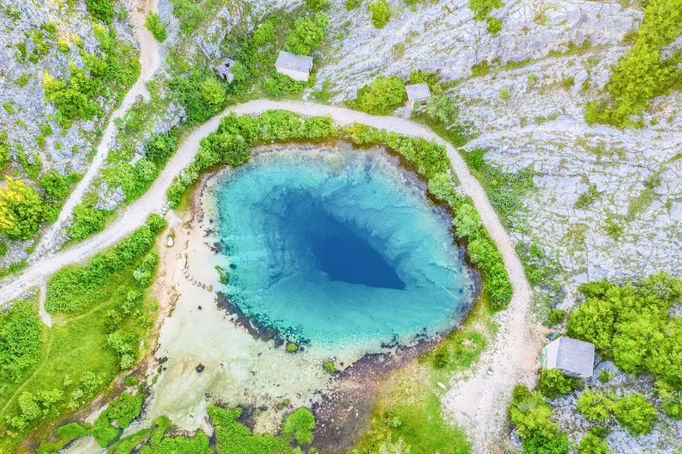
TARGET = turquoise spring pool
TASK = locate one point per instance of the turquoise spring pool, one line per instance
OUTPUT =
(339, 249)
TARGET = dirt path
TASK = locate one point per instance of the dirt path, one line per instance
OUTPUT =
(477, 403)
(150, 61)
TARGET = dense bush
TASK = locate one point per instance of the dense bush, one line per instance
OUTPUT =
(381, 96)
(57, 185)
(532, 417)
(21, 209)
(380, 11)
(20, 341)
(641, 75)
(631, 324)
(592, 443)
(299, 425)
(233, 437)
(596, 407)
(156, 27)
(200, 93)
(483, 253)
(553, 383)
(307, 34)
(86, 221)
(120, 413)
(635, 414)
(671, 399)
(101, 9)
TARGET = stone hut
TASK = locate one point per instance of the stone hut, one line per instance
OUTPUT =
(295, 66)
(224, 70)
(571, 356)
(419, 93)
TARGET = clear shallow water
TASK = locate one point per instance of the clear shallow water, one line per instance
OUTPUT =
(339, 250)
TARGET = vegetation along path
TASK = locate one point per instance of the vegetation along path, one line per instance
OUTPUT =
(477, 403)
(150, 61)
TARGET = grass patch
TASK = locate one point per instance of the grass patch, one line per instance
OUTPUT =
(100, 315)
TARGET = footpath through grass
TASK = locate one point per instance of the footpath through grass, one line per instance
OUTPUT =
(101, 317)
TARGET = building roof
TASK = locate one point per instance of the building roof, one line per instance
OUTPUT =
(418, 92)
(293, 62)
(575, 356)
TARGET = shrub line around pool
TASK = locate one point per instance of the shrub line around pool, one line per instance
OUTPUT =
(231, 145)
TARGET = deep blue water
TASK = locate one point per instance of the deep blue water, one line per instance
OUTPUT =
(339, 249)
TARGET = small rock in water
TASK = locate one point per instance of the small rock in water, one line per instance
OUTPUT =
(200, 368)
(199, 307)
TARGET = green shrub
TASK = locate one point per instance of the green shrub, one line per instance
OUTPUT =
(156, 27)
(635, 414)
(591, 443)
(317, 5)
(307, 34)
(671, 399)
(21, 209)
(87, 220)
(595, 406)
(189, 13)
(264, 33)
(505, 94)
(532, 417)
(381, 96)
(299, 425)
(380, 11)
(442, 115)
(352, 4)
(482, 8)
(553, 383)
(641, 75)
(493, 25)
(233, 437)
(159, 147)
(101, 9)
(555, 316)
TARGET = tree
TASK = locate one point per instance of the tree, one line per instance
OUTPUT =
(307, 34)
(20, 210)
(380, 96)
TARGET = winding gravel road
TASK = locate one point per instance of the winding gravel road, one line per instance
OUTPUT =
(150, 61)
(477, 403)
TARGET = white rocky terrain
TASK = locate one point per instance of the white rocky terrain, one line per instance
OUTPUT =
(552, 57)
(605, 202)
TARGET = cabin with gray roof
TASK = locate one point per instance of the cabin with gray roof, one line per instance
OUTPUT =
(297, 67)
(571, 356)
(418, 93)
